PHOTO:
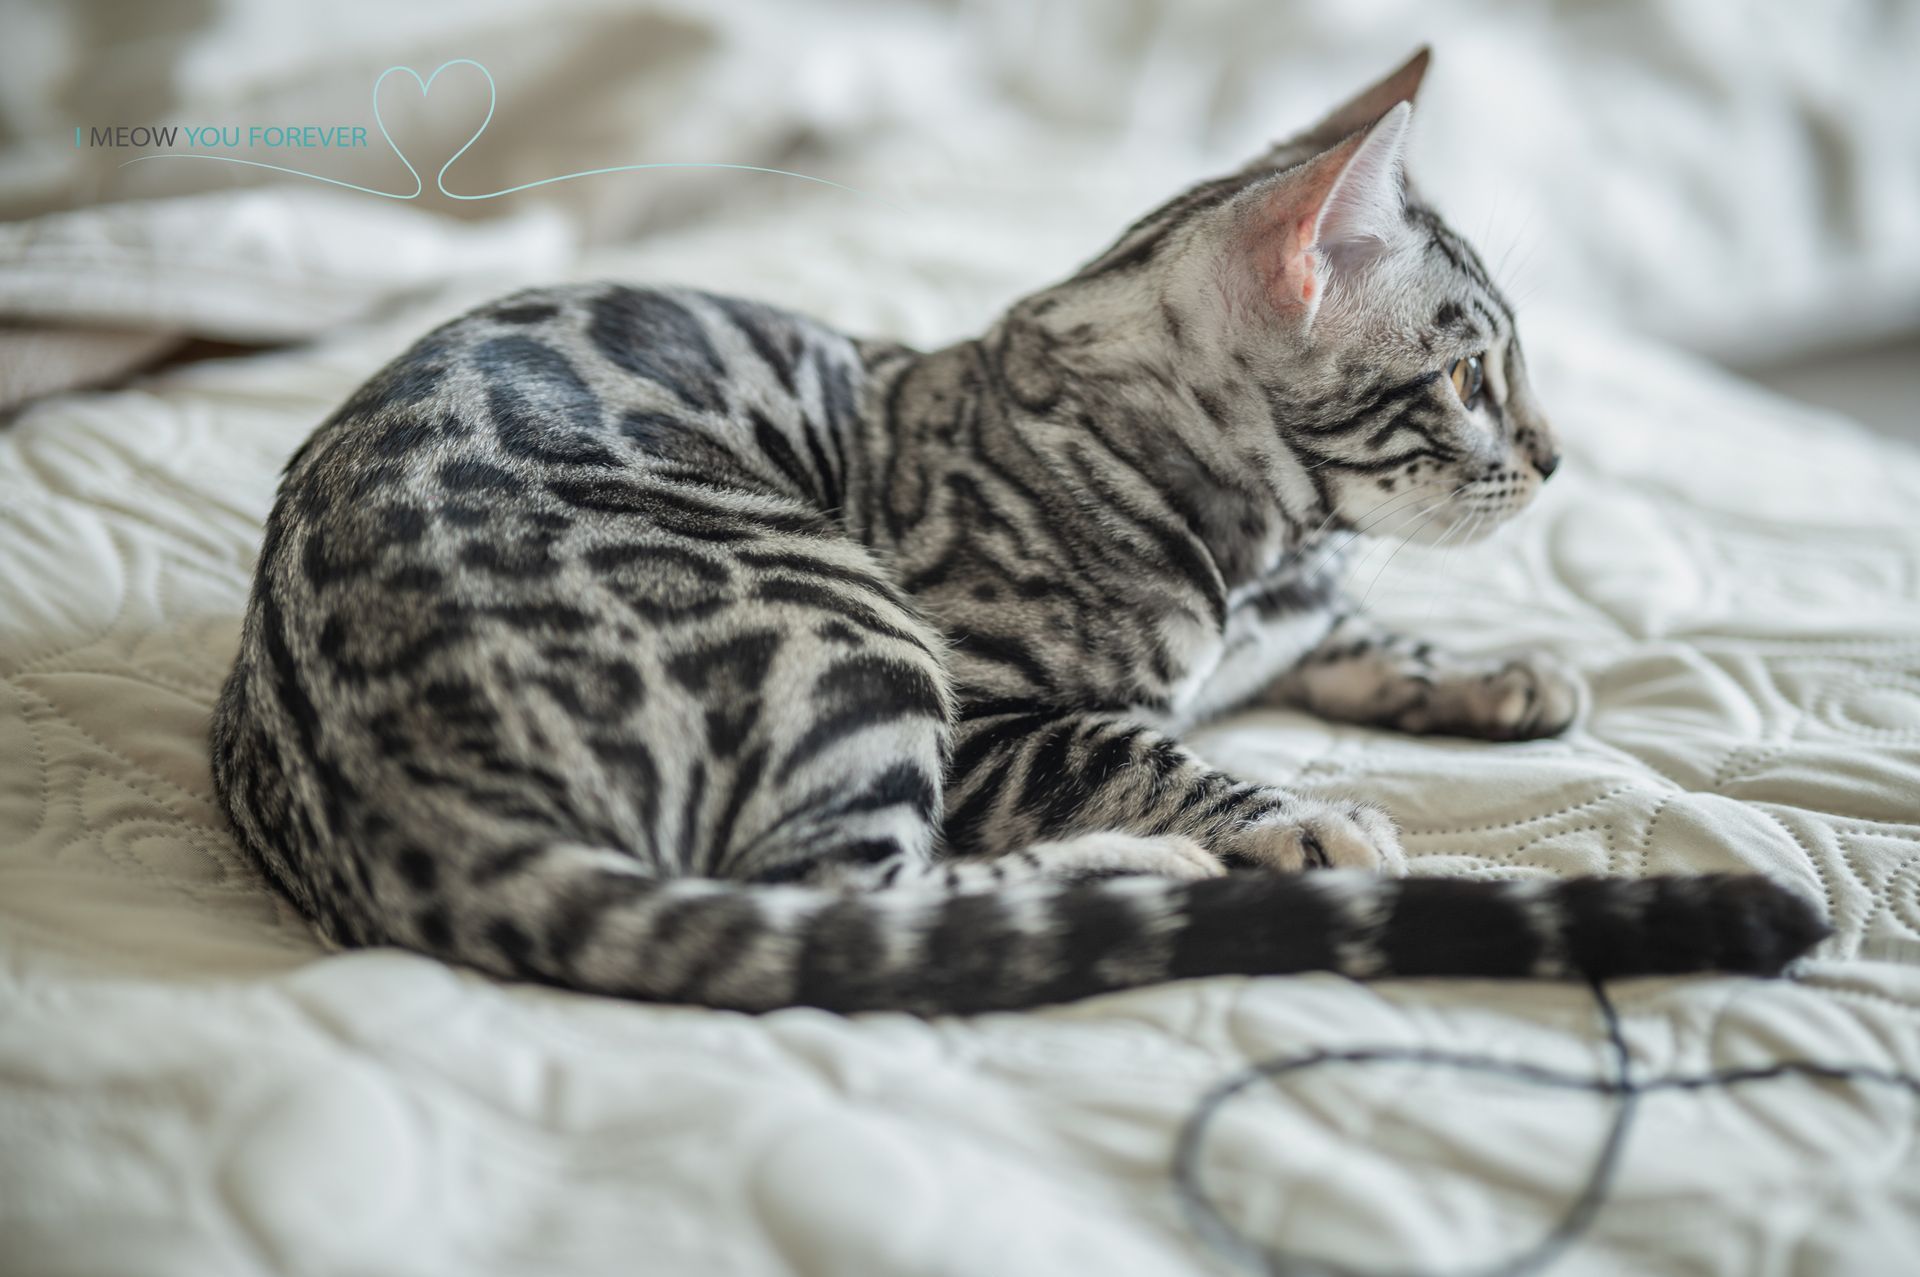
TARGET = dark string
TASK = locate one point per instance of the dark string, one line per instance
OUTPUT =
(1213, 1228)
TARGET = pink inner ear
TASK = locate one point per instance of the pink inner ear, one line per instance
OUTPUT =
(1293, 280)
(1341, 195)
(1283, 254)
(1287, 224)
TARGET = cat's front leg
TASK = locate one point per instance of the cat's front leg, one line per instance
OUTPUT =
(1030, 776)
(1362, 674)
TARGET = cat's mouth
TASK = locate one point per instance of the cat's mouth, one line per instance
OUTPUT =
(1492, 499)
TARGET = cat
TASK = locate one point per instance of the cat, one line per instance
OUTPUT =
(672, 646)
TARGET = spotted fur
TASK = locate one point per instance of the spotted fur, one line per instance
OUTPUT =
(673, 646)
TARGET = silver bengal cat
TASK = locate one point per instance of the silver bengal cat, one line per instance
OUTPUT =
(673, 646)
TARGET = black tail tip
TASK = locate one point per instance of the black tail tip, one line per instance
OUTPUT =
(1765, 926)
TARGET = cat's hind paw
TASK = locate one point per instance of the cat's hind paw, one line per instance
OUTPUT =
(1317, 834)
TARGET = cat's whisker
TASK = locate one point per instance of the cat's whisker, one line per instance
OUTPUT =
(1376, 512)
(1404, 542)
(1447, 562)
(1499, 271)
(1424, 515)
(1335, 558)
(1324, 461)
(1365, 526)
(1492, 218)
(1527, 295)
(1334, 513)
(1310, 545)
(1520, 271)
(1419, 516)
(1443, 551)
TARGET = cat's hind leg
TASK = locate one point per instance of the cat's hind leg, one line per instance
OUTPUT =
(1034, 776)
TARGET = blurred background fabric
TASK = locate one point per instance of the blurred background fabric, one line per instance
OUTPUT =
(1740, 178)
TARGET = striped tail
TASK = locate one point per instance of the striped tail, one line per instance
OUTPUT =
(755, 948)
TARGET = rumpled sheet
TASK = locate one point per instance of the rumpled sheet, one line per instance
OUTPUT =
(190, 1085)
(1735, 175)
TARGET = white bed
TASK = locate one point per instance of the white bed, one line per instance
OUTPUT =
(190, 1085)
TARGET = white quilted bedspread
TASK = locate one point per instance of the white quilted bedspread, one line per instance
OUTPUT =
(190, 1085)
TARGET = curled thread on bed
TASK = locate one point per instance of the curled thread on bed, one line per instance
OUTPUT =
(1204, 1217)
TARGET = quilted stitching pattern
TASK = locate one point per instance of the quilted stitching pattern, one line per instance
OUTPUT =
(188, 1084)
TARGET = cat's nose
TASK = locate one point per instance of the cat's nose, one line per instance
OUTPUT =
(1547, 465)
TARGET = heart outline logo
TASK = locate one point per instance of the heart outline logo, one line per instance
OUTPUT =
(440, 178)
(426, 86)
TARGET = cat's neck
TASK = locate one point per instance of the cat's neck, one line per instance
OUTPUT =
(1099, 399)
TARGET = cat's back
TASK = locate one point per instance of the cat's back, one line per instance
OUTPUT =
(589, 376)
(547, 412)
(564, 490)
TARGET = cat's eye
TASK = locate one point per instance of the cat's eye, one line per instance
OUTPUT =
(1468, 376)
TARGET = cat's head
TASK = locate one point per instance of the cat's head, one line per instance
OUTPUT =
(1313, 307)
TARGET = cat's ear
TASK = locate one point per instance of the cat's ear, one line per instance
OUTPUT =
(1339, 210)
(1356, 113)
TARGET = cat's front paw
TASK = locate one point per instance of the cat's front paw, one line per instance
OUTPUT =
(1521, 699)
(1313, 833)
(1529, 697)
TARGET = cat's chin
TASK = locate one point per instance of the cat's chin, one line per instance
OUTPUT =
(1464, 527)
